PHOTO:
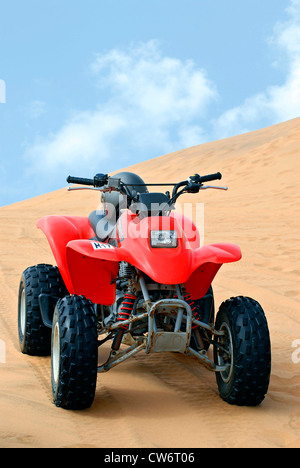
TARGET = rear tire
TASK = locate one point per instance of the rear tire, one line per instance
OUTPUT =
(74, 354)
(34, 336)
(248, 352)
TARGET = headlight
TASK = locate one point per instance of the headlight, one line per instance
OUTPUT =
(163, 239)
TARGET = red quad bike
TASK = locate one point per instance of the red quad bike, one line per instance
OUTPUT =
(135, 274)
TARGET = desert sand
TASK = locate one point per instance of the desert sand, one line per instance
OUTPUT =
(169, 401)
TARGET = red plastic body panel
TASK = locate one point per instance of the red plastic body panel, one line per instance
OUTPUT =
(59, 230)
(88, 267)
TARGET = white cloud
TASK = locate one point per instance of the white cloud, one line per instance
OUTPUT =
(161, 87)
(80, 141)
(149, 104)
(277, 103)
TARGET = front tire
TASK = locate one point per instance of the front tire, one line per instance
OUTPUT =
(246, 351)
(34, 336)
(74, 354)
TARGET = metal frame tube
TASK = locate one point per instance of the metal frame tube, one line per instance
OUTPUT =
(120, 356)
(169, 304)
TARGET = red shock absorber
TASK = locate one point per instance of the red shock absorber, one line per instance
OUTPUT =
(196, 335)
(124, 314)
(126, 309)
(187, 297)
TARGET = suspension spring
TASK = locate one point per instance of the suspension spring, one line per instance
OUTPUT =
(126, 309)
(124, 314)
(188, 298)
(195, 328)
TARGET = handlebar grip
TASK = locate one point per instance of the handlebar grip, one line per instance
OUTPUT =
(210, 177)
(80, 180)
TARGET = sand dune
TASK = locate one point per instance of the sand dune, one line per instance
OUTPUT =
(168, 400)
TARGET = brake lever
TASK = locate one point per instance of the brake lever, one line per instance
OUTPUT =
(204, 187)
(72, 189)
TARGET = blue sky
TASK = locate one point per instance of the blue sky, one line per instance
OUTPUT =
(97, 85)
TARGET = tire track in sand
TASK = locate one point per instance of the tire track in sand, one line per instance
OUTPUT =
(215, 422)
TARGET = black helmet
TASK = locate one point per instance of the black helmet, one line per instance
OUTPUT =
(133, 185)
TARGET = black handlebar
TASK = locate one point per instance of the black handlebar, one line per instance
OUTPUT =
(98, 181)
(209, 178)
(80, 180)
(192, 185)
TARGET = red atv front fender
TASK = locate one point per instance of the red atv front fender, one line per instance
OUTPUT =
(89, 260)
(60, 230)
(89, 267)
(207, 261)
